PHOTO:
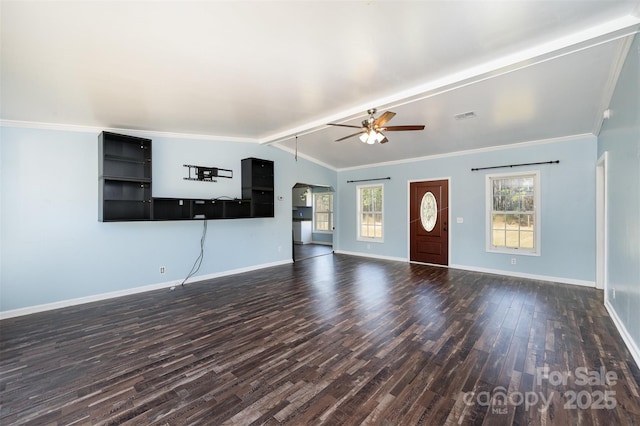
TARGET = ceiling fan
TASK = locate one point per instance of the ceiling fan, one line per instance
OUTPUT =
(372, 128)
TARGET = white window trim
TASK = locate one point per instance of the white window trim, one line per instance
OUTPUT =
(359, 218)
(315, 230)
(536, 209)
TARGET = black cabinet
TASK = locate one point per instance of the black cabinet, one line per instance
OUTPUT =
(124, 173)
(236, 209)
(222, 209)
(125, 194)
(181, 209)
(257, 186)
(171, 209)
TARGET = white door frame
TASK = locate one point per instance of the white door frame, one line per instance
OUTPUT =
(602, 242)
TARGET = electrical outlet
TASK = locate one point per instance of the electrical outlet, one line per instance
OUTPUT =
(368, 246)
(513, 261)
(614, 292)
(162, 270)
(279, 249)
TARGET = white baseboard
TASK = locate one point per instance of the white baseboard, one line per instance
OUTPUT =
(238, 271)
(626, 337)
(104, 296)
(80, 300)
(583, 283)
(373, 256)
(322, 243)
(561, 280)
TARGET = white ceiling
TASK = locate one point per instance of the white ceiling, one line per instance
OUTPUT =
(266, 71)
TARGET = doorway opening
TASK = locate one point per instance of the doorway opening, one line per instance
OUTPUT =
(312, 214)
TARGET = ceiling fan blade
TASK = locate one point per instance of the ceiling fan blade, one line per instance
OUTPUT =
(344, 125)
(384, 140)
(347, 137)
(402, 128)
(386, 116)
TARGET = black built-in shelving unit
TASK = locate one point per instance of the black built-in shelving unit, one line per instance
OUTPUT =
(125, 187)
(257, 186)
(125, 177)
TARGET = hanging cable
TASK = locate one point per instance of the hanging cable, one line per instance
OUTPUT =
(198, 262)
(296, 157)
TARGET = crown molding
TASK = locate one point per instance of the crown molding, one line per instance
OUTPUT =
(136, 132)
(472, 151)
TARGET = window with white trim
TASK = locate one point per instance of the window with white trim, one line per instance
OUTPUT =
(323, 212)
(370, 213)
(513, 213)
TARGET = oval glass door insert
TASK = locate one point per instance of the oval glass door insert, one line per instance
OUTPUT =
(428, 211)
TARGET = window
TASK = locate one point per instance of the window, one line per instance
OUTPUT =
(323, 212)
(513, 213)
(370, 222)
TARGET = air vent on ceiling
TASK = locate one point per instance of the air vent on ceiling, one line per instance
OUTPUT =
(465, 115)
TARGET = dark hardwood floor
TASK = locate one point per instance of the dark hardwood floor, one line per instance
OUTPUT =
(332, 339)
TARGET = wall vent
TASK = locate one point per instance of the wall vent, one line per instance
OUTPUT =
(465, 115)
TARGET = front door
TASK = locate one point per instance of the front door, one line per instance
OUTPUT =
(428, 222)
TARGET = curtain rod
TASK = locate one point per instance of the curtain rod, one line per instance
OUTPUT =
(368, 180)
(516, 165)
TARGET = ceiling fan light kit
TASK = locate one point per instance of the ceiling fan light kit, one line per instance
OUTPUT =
(372, 137)
(372, 128)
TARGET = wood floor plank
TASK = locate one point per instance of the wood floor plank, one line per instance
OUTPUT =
(333, 339)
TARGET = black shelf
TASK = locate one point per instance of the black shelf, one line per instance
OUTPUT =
(125, 147)
(125, 210)
(257, 186)
(126, 179)
(171, 209)
(124, 171)
(236, 209)
(185, 209)
(121, 190)
(125, 159)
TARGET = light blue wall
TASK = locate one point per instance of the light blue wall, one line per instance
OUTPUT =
(620, 137)
(322, 237)
(53, 248)
(567, 198)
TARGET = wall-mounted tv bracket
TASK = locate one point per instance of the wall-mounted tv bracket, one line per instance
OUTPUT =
(208, 174)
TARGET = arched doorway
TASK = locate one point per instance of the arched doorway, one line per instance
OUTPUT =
(312, 214)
